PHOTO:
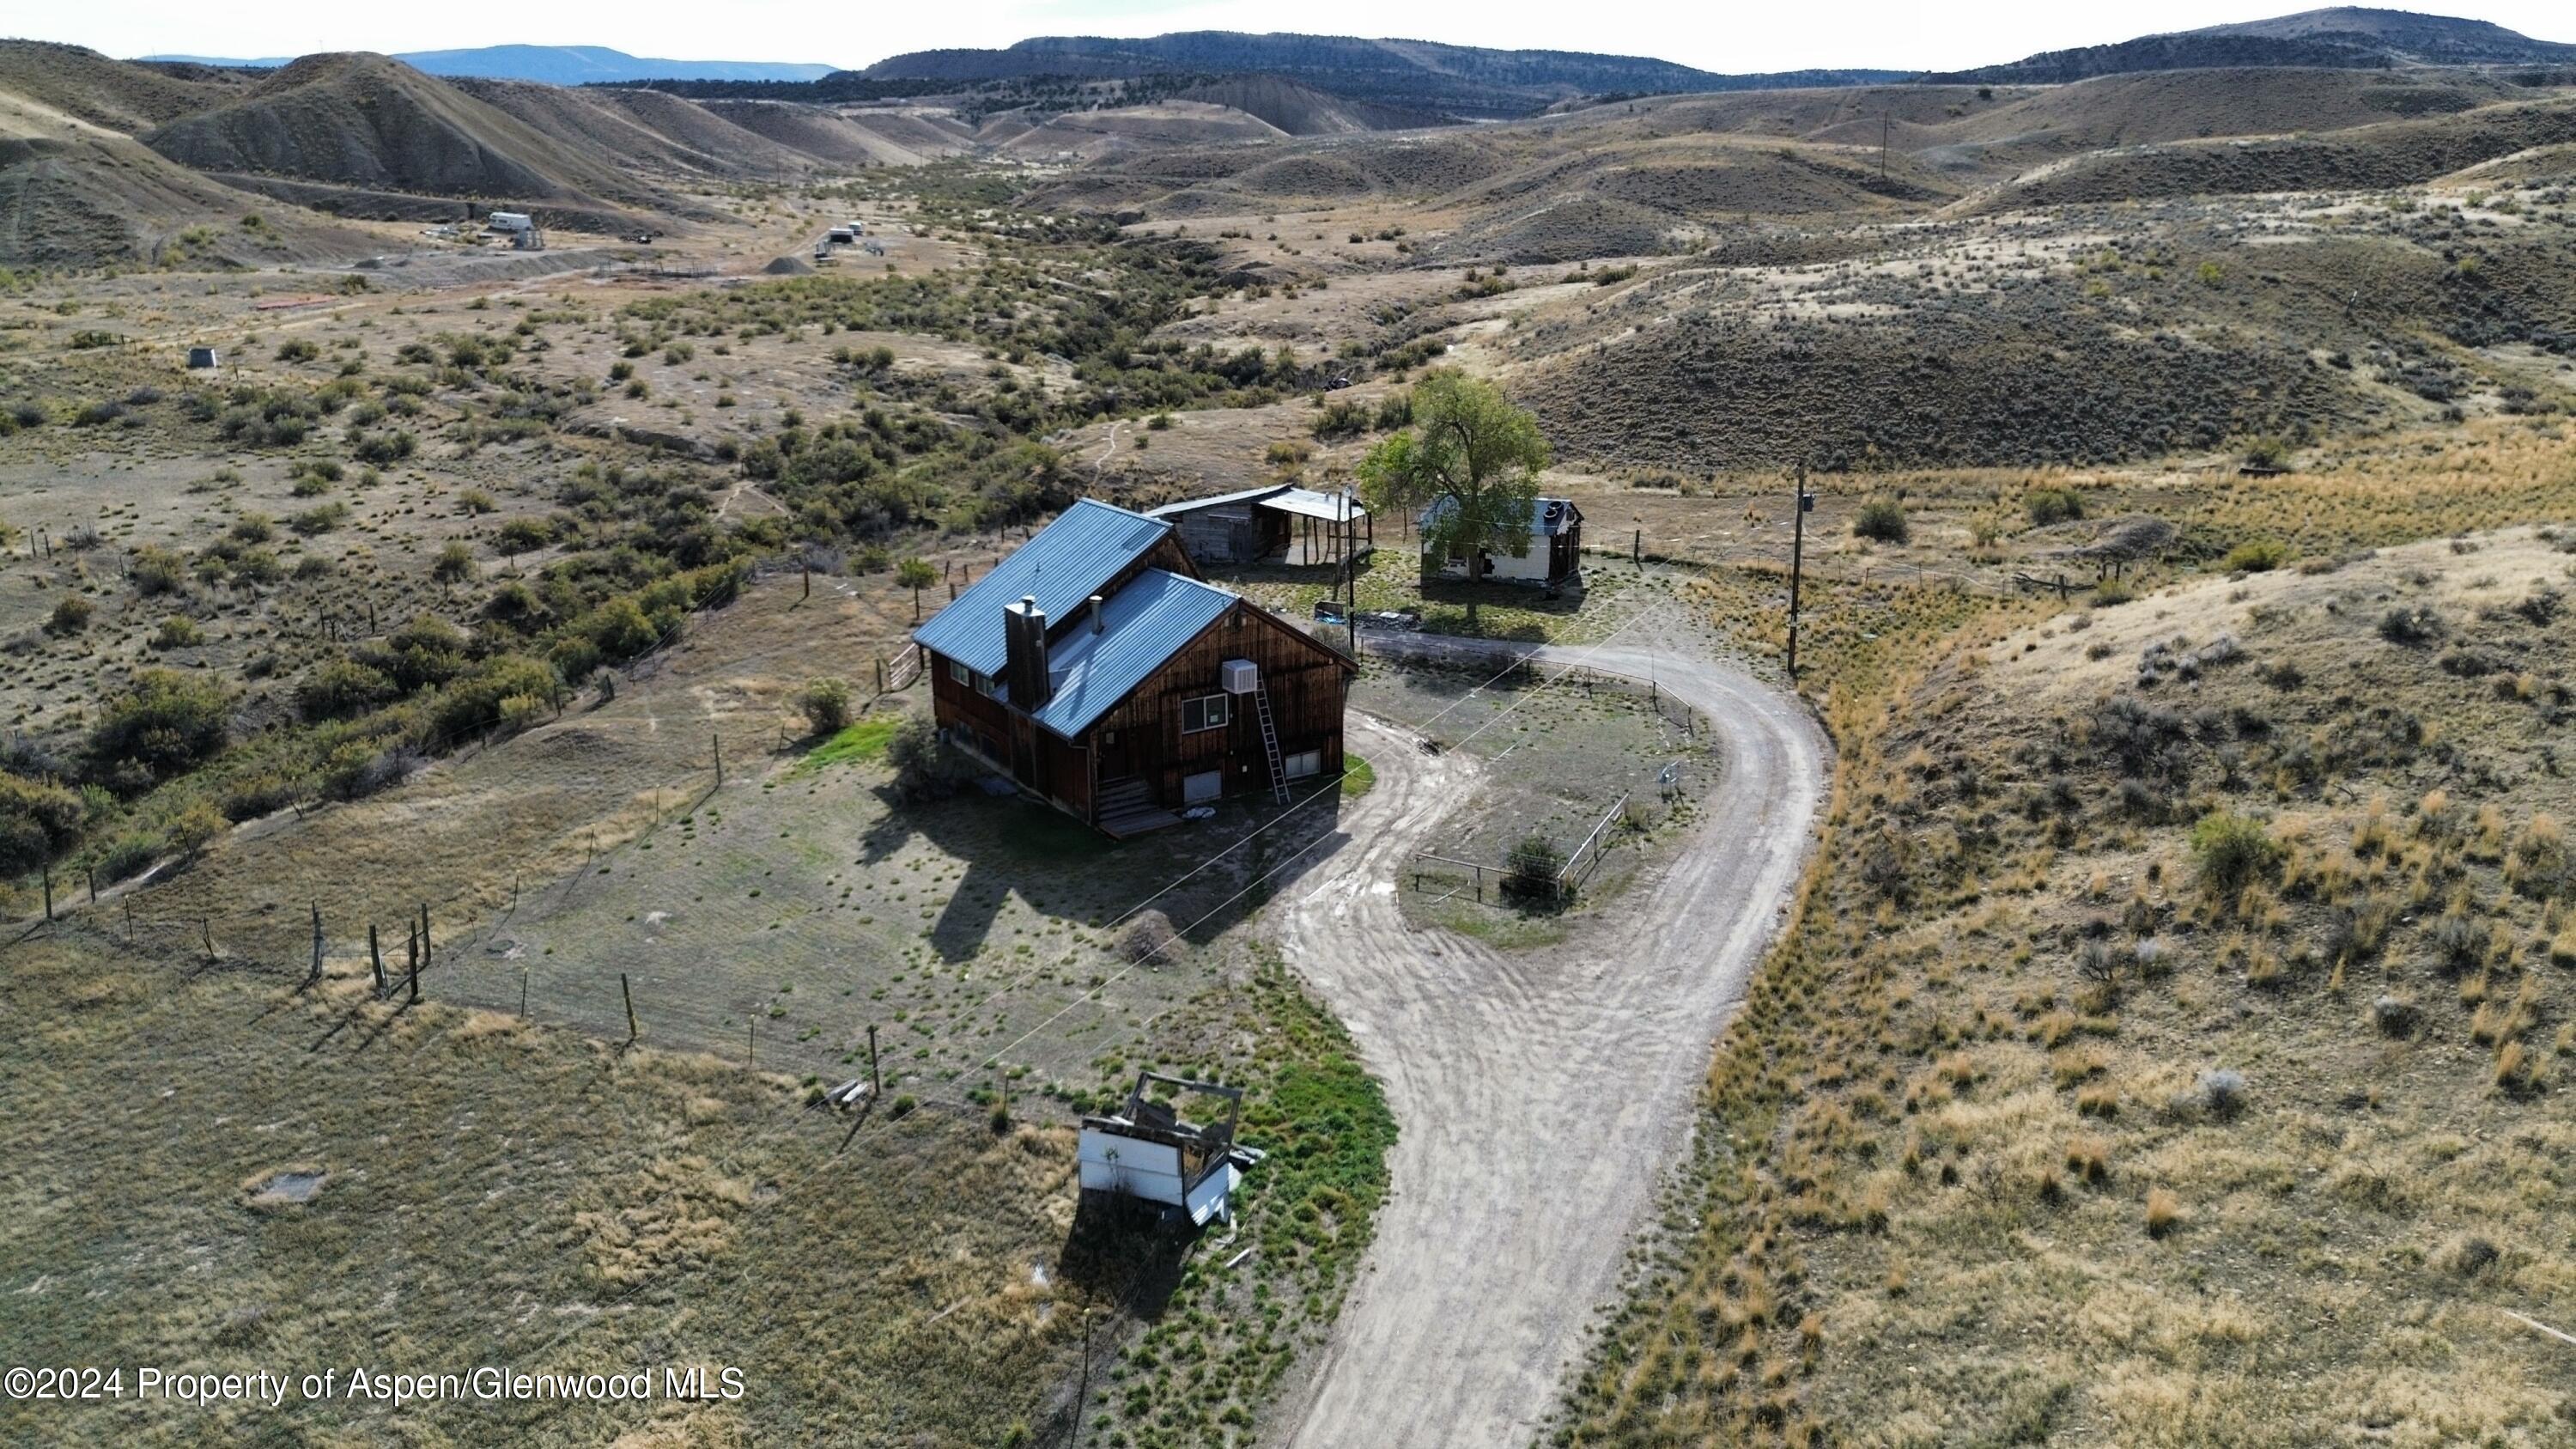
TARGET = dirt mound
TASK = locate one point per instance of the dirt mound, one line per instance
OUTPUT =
(1565, 228)
(789, 267)
(1097, 135)
(1951, 385)
(1302, 110)
(109, 93)
(373, 123)
(96, 199)
(814, 134)
(1306, 175)
(2135, 110)
(663, 133)
(2394, 153)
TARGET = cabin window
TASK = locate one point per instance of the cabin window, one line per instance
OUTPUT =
(1207, 712)
(958, 671)
(1304, 763)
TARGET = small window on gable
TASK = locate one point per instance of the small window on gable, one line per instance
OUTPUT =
(958, 671)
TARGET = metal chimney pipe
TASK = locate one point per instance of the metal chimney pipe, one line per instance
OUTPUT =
(1097, 623)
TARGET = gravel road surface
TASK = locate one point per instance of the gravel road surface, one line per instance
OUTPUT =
(1542, 1094)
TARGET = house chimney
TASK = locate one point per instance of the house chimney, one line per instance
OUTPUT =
(1024, 653)
(1097, 623)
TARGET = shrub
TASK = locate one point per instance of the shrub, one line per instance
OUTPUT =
(342, 688)
(1149, 937)
(2164, 1212)
(2410, 626)
(454, 565)
(298, 350)
(2222, 1092)
(157, 571)
(478, 701)
(924, 767)
(387, 447)
(522, 535)
(178, 632)
(71, 615)
(2233, 851)
(826, 703)
(1881, 520)
(2053, 505)
(37, 820)
(164, 724)
(1534, 866)
(2257, 557)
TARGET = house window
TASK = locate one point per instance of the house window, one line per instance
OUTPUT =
(1304, 763)
(958, 671)
(1207, 712)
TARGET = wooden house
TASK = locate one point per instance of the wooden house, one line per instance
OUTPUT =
(1098, 670)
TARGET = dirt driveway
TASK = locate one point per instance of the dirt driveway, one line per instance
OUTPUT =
(1542, 1094)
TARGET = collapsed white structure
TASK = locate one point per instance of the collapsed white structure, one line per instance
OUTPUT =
(1146, 1151)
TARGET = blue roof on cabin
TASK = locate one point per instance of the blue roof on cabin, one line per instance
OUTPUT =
(1065, 564)
(1142, 625)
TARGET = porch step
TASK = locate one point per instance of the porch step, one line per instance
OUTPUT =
(1126, 807)
(1137, 822)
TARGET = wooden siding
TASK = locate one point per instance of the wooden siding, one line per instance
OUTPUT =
(1141, 738)
(1235, 532)
(1306, 681)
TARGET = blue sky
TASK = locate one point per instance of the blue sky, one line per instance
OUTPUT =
(1714, 36)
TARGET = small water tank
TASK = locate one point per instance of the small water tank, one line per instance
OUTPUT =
(1239, 676)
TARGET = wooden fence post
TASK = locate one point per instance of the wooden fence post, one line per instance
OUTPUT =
(719, 753)
(876, 1084)
(376, 958)
(314, 975)
(49, 893)
(629, 992)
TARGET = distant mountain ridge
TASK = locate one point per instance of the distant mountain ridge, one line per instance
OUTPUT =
(1414, 74)
(562, 65)
(2341, 38)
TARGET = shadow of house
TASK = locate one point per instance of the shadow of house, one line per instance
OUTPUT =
(1011, 843)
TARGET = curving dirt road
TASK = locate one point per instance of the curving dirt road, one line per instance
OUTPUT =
(1542, 1094)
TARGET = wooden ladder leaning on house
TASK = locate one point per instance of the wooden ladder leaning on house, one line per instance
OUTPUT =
(1270, 742)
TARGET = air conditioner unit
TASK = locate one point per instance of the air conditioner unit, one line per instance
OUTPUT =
(1239, 676)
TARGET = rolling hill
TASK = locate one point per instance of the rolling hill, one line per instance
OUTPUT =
(2345, 37)
(372, 124)
(1464, 80)
(561, 65)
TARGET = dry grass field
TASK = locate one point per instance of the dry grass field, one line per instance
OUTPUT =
(2168, 1046)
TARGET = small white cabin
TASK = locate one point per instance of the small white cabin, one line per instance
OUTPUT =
(510, 221)
(1146, 1151)
(1554, 555)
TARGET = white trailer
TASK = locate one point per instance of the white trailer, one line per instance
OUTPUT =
(510, 221)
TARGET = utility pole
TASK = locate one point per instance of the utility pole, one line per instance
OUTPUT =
(1797, 559)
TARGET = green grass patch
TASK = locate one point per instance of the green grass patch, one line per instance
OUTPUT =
(1206, 1365)
(863, 743)
(1358, 776)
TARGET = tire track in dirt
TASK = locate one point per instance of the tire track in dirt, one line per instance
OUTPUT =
(1542, 1095)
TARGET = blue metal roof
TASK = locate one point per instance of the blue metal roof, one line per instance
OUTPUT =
(1143, 624)
(1065, 564)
